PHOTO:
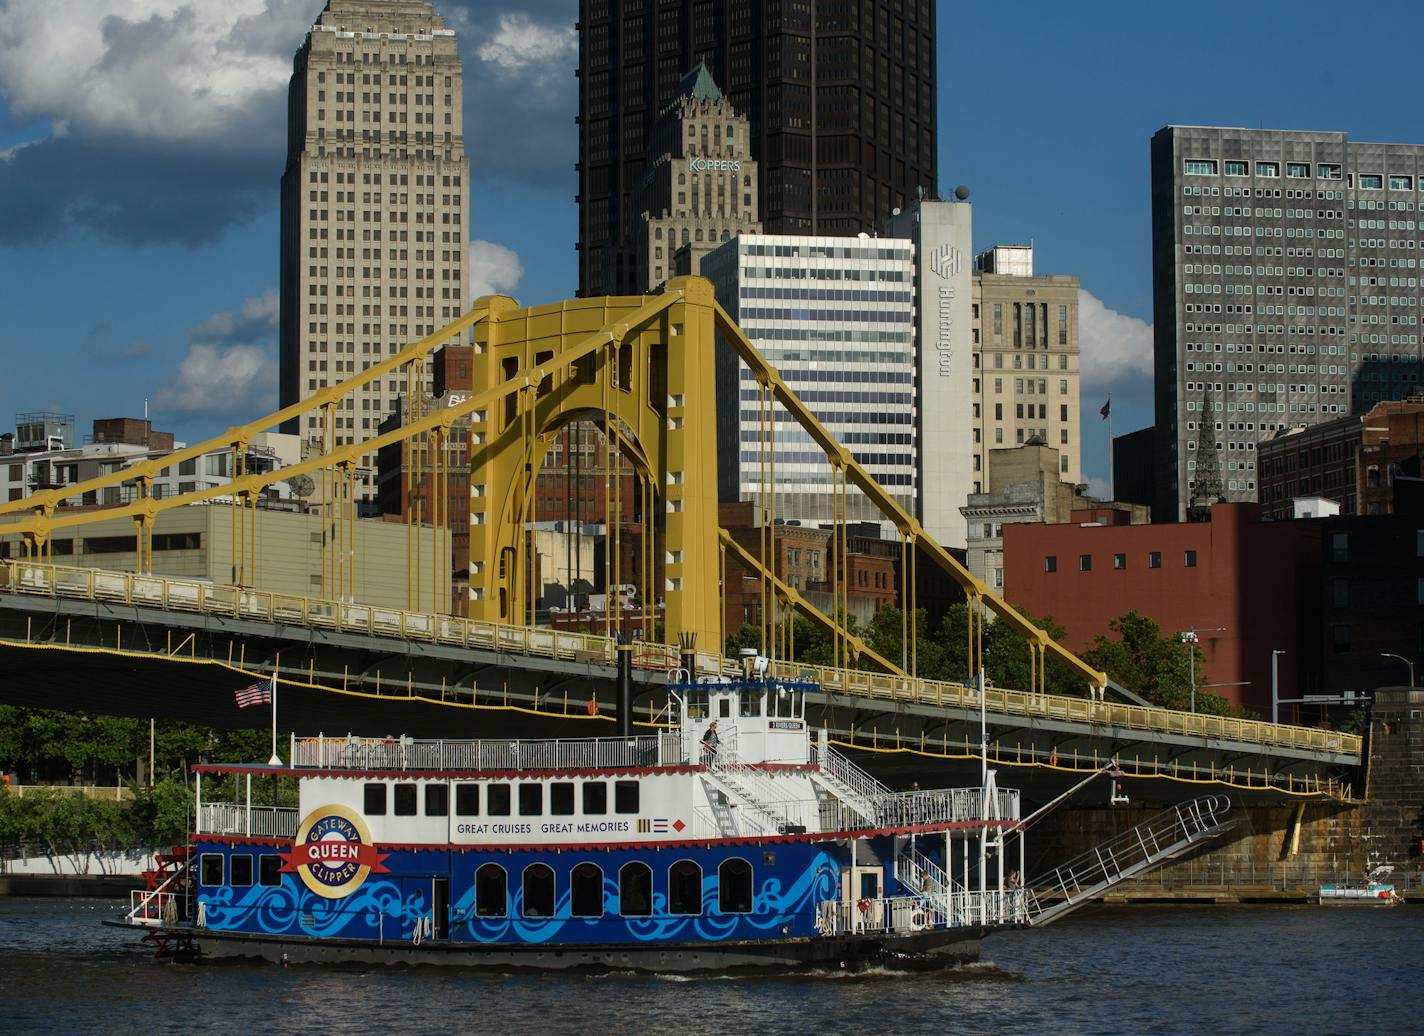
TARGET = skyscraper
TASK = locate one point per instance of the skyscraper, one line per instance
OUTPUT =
(837, 166)
(375, 199)
(1286, 291)
(699, 187)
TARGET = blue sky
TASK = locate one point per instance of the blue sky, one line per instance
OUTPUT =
(141, 143)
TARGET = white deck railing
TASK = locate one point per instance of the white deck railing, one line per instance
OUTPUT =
(234, 818)
(907, 914)
(358, 753)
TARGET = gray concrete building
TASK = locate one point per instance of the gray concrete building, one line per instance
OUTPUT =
(700, 186)
(1286, 291)
(375, 204)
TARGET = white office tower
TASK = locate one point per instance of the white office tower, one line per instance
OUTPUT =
(944, 419)
(835, 315)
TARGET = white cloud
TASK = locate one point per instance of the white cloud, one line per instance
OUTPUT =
(167, 70)
(1115, 347)
(215, 380)
(520, 44)
(255, 318)
(494, 269)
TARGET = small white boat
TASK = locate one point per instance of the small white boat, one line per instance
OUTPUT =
(1370, 892)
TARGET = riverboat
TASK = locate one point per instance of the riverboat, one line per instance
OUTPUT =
(668, 851)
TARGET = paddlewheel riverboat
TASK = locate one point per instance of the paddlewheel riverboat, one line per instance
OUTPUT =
(660, 852)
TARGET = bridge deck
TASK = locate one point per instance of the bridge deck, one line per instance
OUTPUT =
(857, 687)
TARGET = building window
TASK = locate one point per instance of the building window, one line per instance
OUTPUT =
(1154, 559)
(1189, 559)
(586, 891)
(1199, 167)
(1119, 561)
(1372, 181)
(635, 890)
(734, 887)
(684, 888)
(1340, 638)
(1085, 562)
(1340, 546)
(1340, 593)
(491, 891)
(538, 893)
(1236, 168)
(1270, 170)
(1050, 563)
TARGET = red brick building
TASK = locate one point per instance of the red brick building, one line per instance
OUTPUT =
(1258, 579)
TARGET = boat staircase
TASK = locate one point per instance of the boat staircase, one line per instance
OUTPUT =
(1136, 851)
(746, 788)
(836, 775)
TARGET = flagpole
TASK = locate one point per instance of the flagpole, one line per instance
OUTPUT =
(276, 759)
(1112, 491)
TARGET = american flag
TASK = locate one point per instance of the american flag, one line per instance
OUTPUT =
(257, 694)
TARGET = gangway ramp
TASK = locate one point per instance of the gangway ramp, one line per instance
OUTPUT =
(1128, 855)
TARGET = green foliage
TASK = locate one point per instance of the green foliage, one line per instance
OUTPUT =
(1156, 665)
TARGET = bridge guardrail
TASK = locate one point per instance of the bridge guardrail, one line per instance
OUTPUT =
(28, 577)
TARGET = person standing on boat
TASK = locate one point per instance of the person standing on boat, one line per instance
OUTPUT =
(710, 741)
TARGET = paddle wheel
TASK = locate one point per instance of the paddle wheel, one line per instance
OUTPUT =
(165, 902)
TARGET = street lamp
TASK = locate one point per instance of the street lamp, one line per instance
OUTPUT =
(1190, 637)
(1388, 654)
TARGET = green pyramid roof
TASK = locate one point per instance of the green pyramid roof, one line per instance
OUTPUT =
(699, 85)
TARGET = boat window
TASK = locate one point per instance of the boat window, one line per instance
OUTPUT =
(531, 799)
(497, 800)
(538, 898)
(751, 701)
(561, 798)
(240, 870)
(586, 891)
(211, 870)
(635, 890)
(684, 888)
(437, 800)
(375, 802)
(724, 708)
(734, 887)
(786, 703)
(595, 798)
(405, 800)
(269, 869)
(467, 800)
(625, 796)
(491, 891)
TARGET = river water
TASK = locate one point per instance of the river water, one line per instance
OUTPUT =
(1235, 970)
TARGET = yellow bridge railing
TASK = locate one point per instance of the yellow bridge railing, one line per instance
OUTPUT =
(196, 596)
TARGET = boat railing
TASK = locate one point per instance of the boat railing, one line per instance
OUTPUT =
(907, 914)
(404, 753)
(234, 818)
(887, 808)
(953, 806)
(154, 907)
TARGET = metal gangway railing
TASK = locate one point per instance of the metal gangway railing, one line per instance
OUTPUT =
(20, 576)
(405, 753)
(1135, 851)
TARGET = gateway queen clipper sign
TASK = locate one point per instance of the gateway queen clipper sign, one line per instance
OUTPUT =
(333, 852)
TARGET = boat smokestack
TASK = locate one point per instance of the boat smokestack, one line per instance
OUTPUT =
(625, 685)
(688, 646)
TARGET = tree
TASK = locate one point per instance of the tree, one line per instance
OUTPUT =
(1155, 665)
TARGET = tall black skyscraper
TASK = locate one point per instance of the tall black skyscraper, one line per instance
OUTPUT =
(838, 166)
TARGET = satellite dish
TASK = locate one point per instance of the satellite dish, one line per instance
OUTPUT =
(961, 192)
(301, 485)
(895, 211)
(863, 235)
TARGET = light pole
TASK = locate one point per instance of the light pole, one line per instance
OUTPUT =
(1275, 685)
(1389, 654)
(1190, 638)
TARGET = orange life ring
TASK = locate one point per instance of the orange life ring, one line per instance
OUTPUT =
(593, 706)
(864, 905)
(1053, 757)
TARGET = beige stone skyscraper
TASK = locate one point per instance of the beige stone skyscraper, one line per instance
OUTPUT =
(375, 203)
